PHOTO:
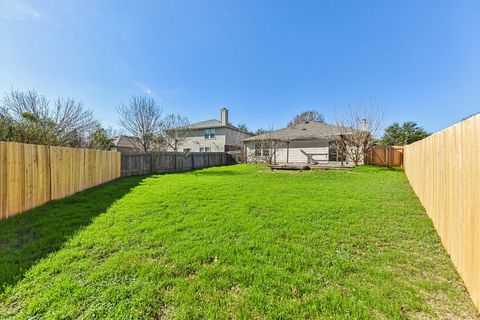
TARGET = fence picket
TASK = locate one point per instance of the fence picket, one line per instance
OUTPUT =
(31, 175)
(138, 163)
(444, 171)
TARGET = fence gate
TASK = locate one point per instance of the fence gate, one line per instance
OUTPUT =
(385, 156)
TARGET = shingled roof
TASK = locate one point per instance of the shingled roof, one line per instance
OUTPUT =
(126, 141)
(213, 123)
(309, 130)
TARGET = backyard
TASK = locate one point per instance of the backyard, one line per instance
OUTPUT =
(232, 242)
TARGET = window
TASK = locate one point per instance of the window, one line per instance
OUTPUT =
(209, 133)
(258, 150)
(207, 149)
(202, 149)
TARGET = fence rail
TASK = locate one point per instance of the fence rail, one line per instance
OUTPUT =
(444, 171)
(385, 156)
(148, 162)
(31, 175)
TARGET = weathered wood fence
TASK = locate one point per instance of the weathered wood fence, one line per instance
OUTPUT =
(148, 162)
(444, 171)
(385, 156)
(31, 175)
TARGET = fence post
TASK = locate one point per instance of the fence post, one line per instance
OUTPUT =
(151, 162)
(49, 176)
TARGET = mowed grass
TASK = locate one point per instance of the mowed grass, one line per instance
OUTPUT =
(243, 242)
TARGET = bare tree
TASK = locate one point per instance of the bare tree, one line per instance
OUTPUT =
(176, 129)
(265, 148)
(17, 102)
(67, 123)
(72, 121)
(355, 132)
(310, 115)
(242, 127)
(236, 146)
(141, 118)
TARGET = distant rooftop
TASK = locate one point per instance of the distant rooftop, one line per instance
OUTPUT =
(125, 141)
(214, 123)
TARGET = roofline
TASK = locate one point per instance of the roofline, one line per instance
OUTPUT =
(293, 139)
(255, 138)
(216, 126)
(264, 135)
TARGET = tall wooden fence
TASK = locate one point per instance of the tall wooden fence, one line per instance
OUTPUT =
(444, 171)
(31, 175)
(385, 156)
(145, 163)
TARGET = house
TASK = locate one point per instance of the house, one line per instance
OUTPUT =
(310, 142)
(124, 143)
(214, 136)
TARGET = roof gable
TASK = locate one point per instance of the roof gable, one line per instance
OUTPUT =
(213, 123)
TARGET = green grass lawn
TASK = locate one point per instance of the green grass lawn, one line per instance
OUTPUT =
(232, 242)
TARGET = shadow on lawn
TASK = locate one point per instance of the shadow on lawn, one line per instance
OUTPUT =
(30, 236)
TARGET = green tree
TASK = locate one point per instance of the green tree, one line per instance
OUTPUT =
(406, 133)
(100, 138)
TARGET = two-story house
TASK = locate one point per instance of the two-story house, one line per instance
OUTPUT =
(214, 136)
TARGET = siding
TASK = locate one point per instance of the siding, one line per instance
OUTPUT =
(298, 154)
(197, 140)
(223, 136)
(298, 151)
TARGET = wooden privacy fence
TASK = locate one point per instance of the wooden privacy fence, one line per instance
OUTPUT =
(444, 171)
(31, 175)
(148, 162)
(385, 156)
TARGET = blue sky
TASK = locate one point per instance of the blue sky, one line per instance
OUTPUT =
(265, 60)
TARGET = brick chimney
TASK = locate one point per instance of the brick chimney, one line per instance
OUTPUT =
(224, 116)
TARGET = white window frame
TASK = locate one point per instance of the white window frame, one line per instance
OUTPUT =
(210, 133)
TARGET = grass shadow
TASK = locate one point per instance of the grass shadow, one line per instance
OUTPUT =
(30, 236)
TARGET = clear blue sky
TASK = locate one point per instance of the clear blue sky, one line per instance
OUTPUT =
(265, 60)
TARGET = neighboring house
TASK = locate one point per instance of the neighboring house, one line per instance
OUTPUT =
(126, 144)
(308, 142)
(214, 136)
(131, 144)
